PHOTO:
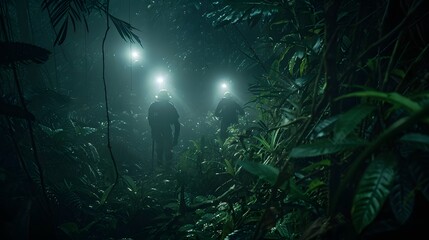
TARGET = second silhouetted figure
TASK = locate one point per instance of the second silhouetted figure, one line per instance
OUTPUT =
(227, 111)
(162, 115)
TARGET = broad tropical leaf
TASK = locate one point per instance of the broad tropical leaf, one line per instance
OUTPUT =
(402, 197)
(229, 168)
(419, 170)
(324, 127)
(373, 189)
(266, 172)
(393, 98)
(413, 142)
(17, 52)
(348, 121)
(416, 138)
(317, 165)
(324, 147)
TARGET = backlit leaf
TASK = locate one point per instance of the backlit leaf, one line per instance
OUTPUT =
(266, 172)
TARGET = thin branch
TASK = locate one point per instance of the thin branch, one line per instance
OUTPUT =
(383, 39)
(392, 57)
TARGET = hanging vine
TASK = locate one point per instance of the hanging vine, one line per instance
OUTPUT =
(109, 146)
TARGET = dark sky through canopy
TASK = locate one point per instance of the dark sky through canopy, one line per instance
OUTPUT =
(179, 41)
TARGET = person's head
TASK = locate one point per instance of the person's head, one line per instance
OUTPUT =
(163, 95)
(227, 95)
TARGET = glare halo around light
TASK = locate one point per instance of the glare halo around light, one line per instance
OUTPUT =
(160, 79)
(135, 55)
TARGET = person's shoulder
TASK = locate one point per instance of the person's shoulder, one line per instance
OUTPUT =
(171, 104)
(153, 104)
(222, 100)
(166, 105)
(156, 105)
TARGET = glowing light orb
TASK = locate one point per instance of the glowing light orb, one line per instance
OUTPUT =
(135, 56)
(160, 79)
(224, 85)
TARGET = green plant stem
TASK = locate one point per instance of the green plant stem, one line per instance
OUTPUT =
(391, 58)
(406, 79)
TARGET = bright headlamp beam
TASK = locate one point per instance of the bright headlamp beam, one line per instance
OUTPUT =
(135, 56)
(160, 79)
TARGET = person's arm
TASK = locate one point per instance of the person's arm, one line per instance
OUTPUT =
(176, 132)
(240, 109)
(218, 108)
(150, 115)
(151, 120)
(175, 118)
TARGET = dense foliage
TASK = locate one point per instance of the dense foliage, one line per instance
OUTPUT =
(338, 147)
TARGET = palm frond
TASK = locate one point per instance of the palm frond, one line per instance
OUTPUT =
(65, 11)
(125, 30)
(17, 52)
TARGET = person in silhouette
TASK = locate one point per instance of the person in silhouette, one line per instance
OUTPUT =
(227, 111)
(162, 115)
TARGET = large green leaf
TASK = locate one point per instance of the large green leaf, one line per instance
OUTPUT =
(106, 194)
(132, 186)
(324, 147)
(266, 172)
(419, 170)
(275, 67)
(402, 197)
(416, 138)
(18, 52)
(393, 98)
(317, 165)
(415, 141)
(372, 191)
(348, 121)
(325, 127)
(229, 168)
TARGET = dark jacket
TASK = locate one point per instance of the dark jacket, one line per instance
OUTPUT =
(228, 110)
(162, 115)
